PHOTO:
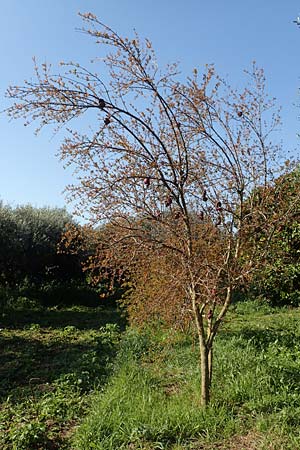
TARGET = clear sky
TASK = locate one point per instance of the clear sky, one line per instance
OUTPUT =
(230, 34)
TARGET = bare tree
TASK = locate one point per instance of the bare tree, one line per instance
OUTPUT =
(172, 166)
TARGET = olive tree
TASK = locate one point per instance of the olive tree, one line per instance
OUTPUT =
(169, 164)
(28, 238)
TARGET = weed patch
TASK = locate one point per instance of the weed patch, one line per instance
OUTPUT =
(48, 369)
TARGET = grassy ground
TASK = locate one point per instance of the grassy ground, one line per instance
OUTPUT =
(152, 401)
(70, 380)
(50, 363)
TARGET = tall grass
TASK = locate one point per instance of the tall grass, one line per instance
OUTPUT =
(153, 398)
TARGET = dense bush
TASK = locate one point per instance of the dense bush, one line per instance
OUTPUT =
(59, 293)
(279, 279)
(28, 239)
(32, 270)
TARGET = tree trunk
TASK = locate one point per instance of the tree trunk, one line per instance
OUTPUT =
(205, 375)
(210, 364)
(205, 353)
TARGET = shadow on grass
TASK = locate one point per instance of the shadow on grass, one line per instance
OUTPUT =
(57, 344)
(83, 318)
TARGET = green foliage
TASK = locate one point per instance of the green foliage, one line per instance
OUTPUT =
(28, 238)
(30, 295)
(33, 272)
(280, 283)
(68, 293)
(257, 305)
(279, 278)
(5, 296)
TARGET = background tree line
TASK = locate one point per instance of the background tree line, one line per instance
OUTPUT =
(33, 267)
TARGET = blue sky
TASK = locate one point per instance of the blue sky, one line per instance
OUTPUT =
(230, 34)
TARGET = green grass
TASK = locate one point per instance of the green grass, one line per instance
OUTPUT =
(153, 401)
(50, 363)
(70, 380)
